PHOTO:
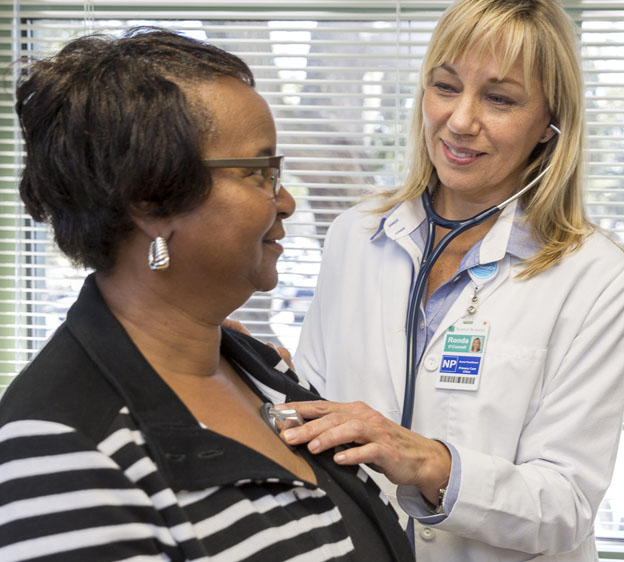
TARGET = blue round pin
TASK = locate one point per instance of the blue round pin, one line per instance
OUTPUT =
(484, 271)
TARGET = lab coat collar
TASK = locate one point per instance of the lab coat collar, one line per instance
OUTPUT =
(522, 244)
(494, 244)
(404, 217)
(509, 234)
(402, 220)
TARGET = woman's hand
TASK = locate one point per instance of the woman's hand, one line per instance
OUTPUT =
(404, 456)
(239, 327)
(232, 324)
(284, 354)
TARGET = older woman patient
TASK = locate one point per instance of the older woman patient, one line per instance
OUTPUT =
(136, 433)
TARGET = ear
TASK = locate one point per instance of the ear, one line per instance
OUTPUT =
(150, 225)
(549, 133)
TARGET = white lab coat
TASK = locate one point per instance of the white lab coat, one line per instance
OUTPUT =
(537, 441)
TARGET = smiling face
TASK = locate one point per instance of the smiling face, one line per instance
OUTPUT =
(479, 130)
(228, 243)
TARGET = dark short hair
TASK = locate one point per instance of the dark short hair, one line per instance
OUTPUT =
(111, 122)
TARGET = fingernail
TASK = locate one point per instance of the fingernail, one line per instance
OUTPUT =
(340, 458)
(290, 434)
(314, 445)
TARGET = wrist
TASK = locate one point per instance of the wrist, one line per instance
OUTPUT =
(438, 507)
(434, 485)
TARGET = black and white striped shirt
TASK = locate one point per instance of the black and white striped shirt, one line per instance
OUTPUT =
(100, 461)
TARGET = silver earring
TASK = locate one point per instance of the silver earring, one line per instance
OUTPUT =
(158, 255)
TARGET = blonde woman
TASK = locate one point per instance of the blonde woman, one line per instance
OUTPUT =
(510, 448)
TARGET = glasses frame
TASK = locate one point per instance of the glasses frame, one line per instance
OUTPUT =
(274, 162)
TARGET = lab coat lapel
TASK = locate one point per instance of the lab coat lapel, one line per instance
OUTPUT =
(396, 277)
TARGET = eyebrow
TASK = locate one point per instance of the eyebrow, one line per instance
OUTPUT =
(266, 151)
(452, 71)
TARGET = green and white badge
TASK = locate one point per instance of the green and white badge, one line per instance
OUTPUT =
(462, 359)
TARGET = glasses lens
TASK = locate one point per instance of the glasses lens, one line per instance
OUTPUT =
(277, 178)
(272, 177)
(268, 181)
(277, 181)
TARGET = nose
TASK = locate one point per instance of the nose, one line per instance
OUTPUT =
(285, 203)
(464, 117)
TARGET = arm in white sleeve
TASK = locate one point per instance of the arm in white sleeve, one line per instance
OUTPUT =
(547, 499)
(309, 359)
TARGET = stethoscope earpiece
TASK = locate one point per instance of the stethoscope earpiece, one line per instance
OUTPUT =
(545, 135)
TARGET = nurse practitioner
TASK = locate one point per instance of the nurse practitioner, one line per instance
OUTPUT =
(512, 445)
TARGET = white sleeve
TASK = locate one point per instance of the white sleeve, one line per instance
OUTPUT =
(546, 501)
(309, 359)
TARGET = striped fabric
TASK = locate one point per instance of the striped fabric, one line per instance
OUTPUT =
(59, 504)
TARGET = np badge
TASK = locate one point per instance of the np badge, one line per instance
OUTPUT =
(462, 360)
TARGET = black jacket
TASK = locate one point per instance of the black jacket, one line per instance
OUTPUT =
(91, 369)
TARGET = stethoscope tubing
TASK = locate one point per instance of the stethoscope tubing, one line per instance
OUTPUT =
(430, 255)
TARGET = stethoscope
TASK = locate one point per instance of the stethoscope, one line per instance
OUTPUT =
(430, 255)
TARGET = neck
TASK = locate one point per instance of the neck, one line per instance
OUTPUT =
(453, 206)
(459, 206)
(175, 342)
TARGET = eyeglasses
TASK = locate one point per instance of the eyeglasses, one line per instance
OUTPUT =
(270, 167)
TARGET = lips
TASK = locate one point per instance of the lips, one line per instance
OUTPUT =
(273, 241)
(460, 154)
(274, 237)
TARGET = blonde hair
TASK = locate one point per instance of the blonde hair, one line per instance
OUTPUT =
(544, 37)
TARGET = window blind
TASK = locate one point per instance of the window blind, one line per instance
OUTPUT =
(340, 78)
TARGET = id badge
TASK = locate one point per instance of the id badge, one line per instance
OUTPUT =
(462, 359)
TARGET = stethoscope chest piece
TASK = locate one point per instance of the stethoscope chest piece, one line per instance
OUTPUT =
(280, 420)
